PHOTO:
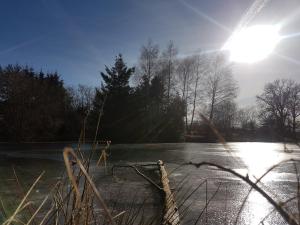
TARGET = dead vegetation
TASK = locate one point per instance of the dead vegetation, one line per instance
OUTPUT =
(76, 199)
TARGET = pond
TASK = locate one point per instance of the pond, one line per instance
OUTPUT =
(251, 159)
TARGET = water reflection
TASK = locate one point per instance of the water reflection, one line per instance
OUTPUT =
(259, 157)
(250, 158)
(257, 209)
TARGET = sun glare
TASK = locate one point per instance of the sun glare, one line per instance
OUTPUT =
(259, 157)
(252, 44)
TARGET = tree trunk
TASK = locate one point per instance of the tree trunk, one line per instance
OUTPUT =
(212, 107)
(194, 102)
(169, 81)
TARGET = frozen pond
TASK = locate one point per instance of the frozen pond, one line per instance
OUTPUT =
(246, 158)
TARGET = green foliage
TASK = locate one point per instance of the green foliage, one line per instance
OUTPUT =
(116, 79)
(139, 114)
(162, 119)
(118, 110)
(37, 107)
(32, 104)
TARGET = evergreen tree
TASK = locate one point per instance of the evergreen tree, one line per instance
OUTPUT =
(116, 91)
(32, 104)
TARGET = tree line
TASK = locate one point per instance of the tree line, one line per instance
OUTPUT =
(166, 97)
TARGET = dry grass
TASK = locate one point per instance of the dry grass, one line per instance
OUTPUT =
(76, 200)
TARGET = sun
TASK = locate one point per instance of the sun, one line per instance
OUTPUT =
(252, 44)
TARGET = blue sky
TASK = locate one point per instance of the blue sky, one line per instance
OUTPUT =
(77, 38)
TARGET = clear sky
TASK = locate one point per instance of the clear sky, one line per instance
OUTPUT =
(77, 38)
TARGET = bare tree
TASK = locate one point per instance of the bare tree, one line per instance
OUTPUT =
(280, 103)
(184, 77)
(294, 105)
(82, 98)
(247, 118)
(219, 84)
(199, 68)
(225, 115)
(149, 60)
(168, 61)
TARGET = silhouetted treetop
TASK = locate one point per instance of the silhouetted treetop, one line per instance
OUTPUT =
(118, 76)
(32, 104)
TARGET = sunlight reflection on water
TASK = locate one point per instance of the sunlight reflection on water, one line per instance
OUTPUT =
(257, 209)
(246, 158)
(258, 158)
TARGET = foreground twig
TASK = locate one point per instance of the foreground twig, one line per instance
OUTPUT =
(287, 217)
